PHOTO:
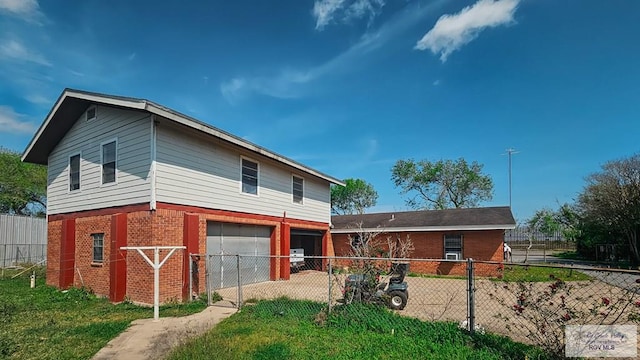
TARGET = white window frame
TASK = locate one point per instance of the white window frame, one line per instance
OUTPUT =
(447, 253)
(115, 174)
(293, 196)
(94, 237)
(79, 155)
(242, 159)
(95, 113)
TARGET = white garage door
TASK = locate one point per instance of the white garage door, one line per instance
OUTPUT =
(228, 240)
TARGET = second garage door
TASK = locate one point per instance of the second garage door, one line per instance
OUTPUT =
(254, 242)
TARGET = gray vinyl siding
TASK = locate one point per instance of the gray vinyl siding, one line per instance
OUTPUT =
(196, 171)
(132, 130)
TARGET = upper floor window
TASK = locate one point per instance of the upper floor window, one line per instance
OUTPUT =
(453, 247)
(109, 156)
(249, 177)
(74, 172)
(298, 189)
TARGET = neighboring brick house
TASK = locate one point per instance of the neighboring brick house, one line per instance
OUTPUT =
(454, 234)
(129, 172)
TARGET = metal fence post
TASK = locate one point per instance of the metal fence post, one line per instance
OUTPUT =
(190, 277)
(207, 278)
(470, 297)
(330, 271)
(239, 282)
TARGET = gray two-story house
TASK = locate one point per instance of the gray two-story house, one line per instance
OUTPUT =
(127, 172)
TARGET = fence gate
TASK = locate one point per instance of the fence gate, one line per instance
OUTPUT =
(228, 240)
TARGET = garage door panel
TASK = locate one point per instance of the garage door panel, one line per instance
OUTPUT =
(238, 239)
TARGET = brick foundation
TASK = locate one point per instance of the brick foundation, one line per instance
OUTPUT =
(170, 225)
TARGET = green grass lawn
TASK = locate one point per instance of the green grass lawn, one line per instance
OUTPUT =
(45, 323)
(292, 329)
(520, 273)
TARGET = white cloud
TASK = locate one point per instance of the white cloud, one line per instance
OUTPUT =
(28, 10)
(291, 83)
(451, 32)
(11, 122)
(324, 10)
(15, 50)
(38, 99)
(327, 11)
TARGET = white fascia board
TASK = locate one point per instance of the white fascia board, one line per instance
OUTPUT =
(236, 141)
(108, 100)
(423, 229)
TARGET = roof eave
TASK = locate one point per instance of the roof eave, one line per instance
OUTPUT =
(141, 104)
(181, 119)
(424, 228)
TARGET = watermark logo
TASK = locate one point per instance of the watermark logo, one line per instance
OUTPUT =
(601, 341)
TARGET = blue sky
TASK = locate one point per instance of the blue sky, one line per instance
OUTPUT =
(350, 86)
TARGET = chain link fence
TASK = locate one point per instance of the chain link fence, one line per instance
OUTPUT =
(529, 303)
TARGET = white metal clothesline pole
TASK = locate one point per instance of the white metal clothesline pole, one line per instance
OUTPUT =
(156, 265)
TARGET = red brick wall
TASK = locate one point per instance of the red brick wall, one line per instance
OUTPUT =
(162, 227)
(54, 237)
(93, 276)
(482, 245)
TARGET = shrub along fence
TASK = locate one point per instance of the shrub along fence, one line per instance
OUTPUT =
(529, 303)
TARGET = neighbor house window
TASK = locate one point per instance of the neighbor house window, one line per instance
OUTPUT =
(109, 162)
(98, 248)
(249, 177)
(74, 172)
(453, 247)
(298, 189)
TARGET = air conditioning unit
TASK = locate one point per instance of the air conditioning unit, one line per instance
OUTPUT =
(451, 256)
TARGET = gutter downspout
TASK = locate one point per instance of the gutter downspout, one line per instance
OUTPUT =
(152, 170)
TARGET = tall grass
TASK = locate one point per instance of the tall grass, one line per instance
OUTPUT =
(291, 329)
(45, 323)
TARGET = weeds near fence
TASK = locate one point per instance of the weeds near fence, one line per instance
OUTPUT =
(285, 328)
(540, 310)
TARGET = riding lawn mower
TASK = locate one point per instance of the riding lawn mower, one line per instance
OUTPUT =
(368, 288)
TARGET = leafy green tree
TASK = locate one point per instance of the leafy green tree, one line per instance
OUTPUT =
(565, 221)
(610, 202)
(353, 198)
(442, 184)
(23, 186)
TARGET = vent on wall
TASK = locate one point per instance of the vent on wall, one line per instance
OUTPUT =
(91, 113)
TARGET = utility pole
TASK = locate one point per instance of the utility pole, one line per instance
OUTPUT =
(510, 151)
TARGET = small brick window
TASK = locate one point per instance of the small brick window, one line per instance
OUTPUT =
(98, 248)
(453, 247)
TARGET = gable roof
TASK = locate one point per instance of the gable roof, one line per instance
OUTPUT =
(488, 218)
(72, 103)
